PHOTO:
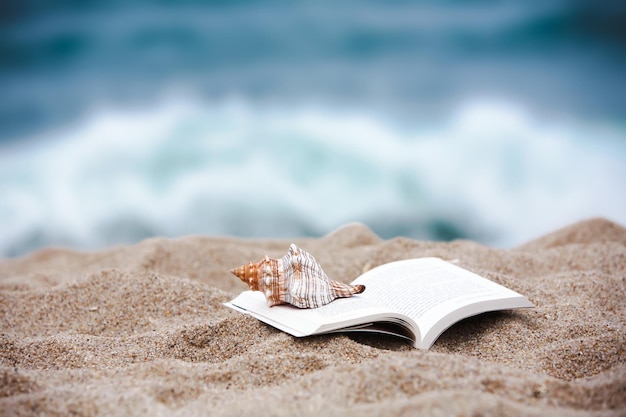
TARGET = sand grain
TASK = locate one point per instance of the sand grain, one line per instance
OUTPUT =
(141, 330)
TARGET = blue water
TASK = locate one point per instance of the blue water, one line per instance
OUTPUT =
(490, 120)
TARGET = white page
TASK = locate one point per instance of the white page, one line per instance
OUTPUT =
(301, 322)
(424, 290)
(427, 289)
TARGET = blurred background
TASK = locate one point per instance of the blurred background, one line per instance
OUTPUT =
(492, 120)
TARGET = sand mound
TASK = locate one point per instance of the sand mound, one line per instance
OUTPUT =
(141, 330)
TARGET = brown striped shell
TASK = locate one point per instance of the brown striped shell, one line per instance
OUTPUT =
(295, 279)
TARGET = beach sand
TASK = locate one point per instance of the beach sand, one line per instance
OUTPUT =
(141, 330)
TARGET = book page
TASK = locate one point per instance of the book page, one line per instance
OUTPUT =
(426, 295)
(301, 322)
(426, 289)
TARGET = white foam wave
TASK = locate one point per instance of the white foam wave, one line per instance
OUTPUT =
(491, 171)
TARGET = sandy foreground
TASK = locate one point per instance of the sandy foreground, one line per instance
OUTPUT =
(141, 330)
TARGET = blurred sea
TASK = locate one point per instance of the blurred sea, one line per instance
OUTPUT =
(495, 120)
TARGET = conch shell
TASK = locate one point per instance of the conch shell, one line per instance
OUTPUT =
(295, 279)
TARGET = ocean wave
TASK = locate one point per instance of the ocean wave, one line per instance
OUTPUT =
(491, 172)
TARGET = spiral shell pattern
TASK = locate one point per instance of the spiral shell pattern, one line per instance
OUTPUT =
(296, 279)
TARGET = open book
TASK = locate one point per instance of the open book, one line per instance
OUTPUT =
(416, 299)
